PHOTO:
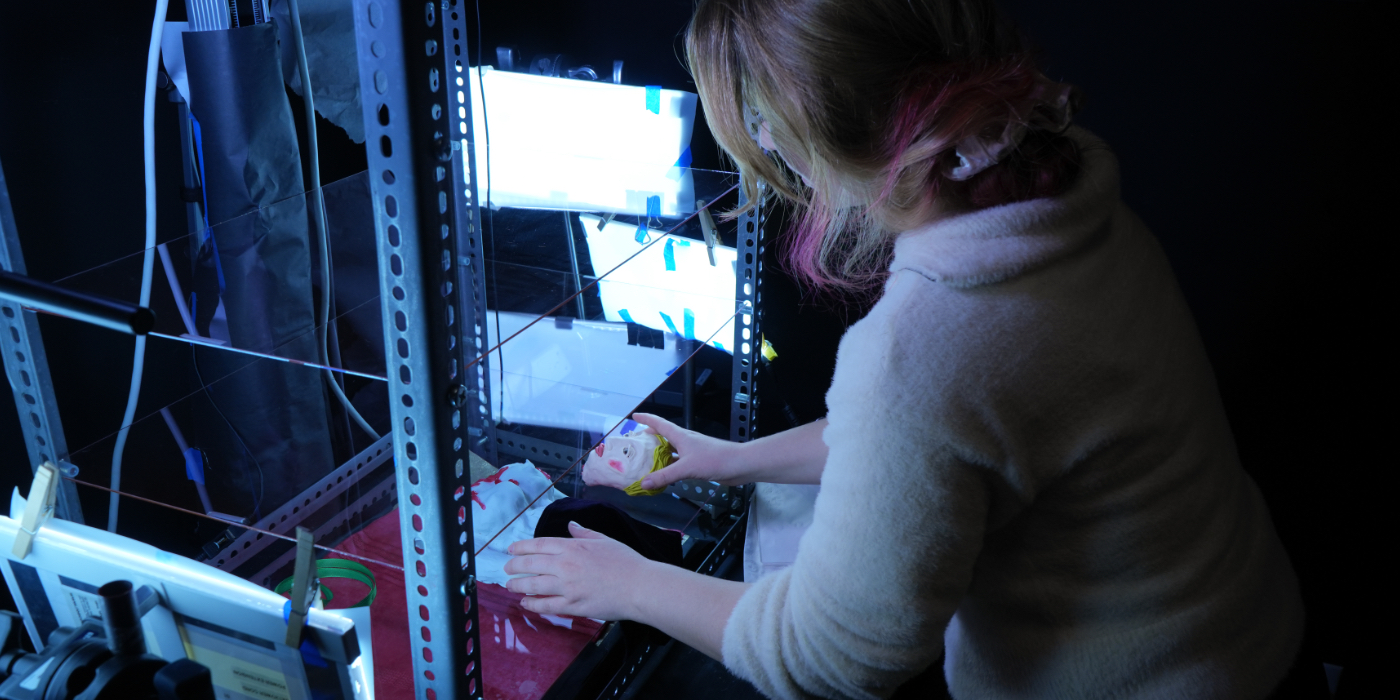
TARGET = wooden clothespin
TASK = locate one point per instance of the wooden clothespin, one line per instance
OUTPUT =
(43, 493)
(305, 587)
(707, 227)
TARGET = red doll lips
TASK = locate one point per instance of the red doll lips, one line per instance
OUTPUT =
(599, 449)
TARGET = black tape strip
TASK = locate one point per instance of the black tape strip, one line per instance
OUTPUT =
(195, 622)
(36, 600)
(78, 585)
(645, 337)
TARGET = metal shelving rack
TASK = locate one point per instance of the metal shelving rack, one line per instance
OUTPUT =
(412, 57)
(418, 126)
(27, 367)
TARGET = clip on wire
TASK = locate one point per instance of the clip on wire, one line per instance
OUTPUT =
(43, 493)
(766, 350)
(707, 227)
(304, 587)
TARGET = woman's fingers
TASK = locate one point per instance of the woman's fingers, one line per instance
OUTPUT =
(540, 545)
(587, 574)
(548, 605)
(660, 426)
(535, 585)
(583, 533)
(666, 476)
(529, 564)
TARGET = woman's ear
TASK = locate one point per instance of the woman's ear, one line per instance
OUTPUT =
(765, 138)
(794, 160)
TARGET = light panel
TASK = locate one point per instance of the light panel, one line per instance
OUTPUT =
(578, 145)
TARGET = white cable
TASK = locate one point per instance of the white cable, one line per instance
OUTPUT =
(148, 258)
(175, 289)
(318, 202)
(184, 449)
(175, 431)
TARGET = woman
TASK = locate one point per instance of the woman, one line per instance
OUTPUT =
(1025, 465)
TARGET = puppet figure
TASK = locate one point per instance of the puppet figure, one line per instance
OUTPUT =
(622, 460)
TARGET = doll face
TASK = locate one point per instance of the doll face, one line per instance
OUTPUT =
(620, 461)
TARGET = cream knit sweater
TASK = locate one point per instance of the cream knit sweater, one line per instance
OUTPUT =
(1030, 466)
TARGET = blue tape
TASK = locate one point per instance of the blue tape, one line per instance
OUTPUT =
(194, 465)
(688, 318)
(204, 191)
(628, 426)
(641, 236)
(311, 655)
(199, 152)
(669, 323)
(669, 254)
(625, 316)
(685, 159)
(718, 345)
(654, 99)
(654, 206)
(683, 242)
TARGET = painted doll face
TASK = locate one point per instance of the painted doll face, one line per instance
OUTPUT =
(620, 461)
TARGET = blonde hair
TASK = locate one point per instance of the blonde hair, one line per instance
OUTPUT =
(872, 96)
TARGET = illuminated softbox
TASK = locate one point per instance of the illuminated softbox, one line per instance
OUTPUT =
(578, 145)
(668, 284)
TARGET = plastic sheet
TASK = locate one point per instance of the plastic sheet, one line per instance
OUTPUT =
(261, 256)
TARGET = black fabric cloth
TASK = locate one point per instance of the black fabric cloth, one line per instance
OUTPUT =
(650, 541)
(271, 428)
(253, 188)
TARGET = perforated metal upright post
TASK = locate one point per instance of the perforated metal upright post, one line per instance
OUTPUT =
(418, 137)
(27, 368)
(748, 299)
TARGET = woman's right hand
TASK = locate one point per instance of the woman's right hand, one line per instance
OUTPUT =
(701, 456)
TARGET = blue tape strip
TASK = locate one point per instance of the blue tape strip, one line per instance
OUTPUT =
(682, 242)
(194, 465)
(669, 255)
(669, 323)
(654, 99)
(688, 319)
(641, 236)
(311, 656)
(625, 316)
(718, 345)
(654, 206)
(685, 159)
(199, 153)
(628, 426)
(203, 186)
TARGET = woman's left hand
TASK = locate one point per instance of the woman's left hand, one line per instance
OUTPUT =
(590, 575)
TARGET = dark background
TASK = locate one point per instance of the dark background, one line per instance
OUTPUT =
(1250, 139)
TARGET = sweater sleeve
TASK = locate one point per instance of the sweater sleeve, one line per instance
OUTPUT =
(896, 530)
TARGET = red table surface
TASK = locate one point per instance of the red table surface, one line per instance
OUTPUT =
(521, 653)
